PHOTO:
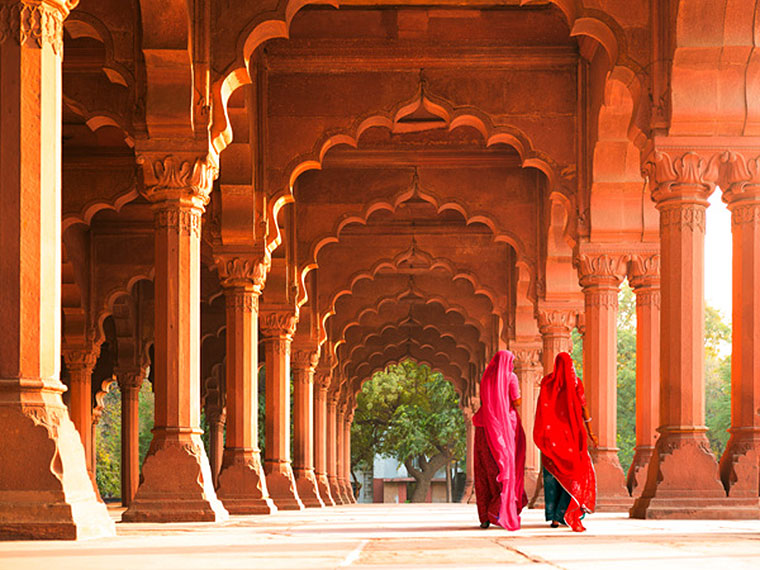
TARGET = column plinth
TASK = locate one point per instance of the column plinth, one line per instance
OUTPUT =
(176, 484)
(644, 277)
(323, 378)
(242, 485)
(45, 490)
(130, 383)
(682, 478)
(277, 331)
(304, 362)
(740, 464)
(600, 276)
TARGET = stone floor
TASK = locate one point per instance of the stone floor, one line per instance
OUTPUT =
(399, 536)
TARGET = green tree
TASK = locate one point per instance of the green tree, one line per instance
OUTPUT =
(626, 375)
(717, 379)
(411, 414)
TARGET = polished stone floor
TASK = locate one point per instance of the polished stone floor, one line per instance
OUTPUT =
(400, 536)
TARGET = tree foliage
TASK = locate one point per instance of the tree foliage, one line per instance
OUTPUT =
(411, 414)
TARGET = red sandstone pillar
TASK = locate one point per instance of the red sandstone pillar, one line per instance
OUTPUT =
(682, 478)
(323, 378)
(528, 369)
(217, 419)
(242, 486)
(45, 491)
(740, 464)
(332, 448)
(277, 328)
(468, 495)
(303, 362)
(79, 364)
(130, 382)
(340, 451)
(644, 277)
(600, 276)
(176, 483)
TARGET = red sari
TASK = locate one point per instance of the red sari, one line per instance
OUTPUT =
(560, 433)
(499, 446)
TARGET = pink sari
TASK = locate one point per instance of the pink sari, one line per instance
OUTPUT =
(499, 387)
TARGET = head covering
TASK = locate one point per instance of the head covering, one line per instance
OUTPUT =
(506, 439)
(559, 432)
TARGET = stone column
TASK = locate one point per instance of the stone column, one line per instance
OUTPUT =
(176, 483)
(277, 328)
(242, 485)
(130, 382)
(600, 276)
(45, 491)
(644, 277)
(217, 420)
(468, 495)
(304, 362)
(682, 478)
(555, 326)
(528, 369)
(340, 451)
(80, 364)
(332, 448)
(323, 378)
(740, 464)
(349, 419)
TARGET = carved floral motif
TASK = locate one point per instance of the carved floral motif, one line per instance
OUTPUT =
(601, 268)
(79, 360)
(32, 24)
(243, 270)
(671, 173)
(564, 319)
(683, 217)
(278, 323)
(527, 358)
(240, 299)
(745, 214)
(304, 359)
(183, 220)
(172, 177)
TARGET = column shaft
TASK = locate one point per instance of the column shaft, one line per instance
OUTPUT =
(347, 457)
(528, 370)
(130, 384)
(320, 438)
(45, 491)
(216, 425)
(242, 486)
(278, 335)
(176, 480)
(304, 362)
(79, 364)
(740, 464)
(333, 448)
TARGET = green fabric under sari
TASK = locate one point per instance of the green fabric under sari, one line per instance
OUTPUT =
(555, 497)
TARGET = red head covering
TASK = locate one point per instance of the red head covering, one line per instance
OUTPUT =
(506, 440)
(560, 434)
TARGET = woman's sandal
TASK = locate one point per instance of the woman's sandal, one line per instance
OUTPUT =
(485, 524)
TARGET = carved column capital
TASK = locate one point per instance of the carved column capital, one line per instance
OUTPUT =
(678, 174)
(742, 192)
(323, 379)
(130, 379)
(180, 179)
(278, 323)
(527, 357)
(35, 24)
(601, 269)
(304, 358)
(79, 360)
(556, 320)
(243, 270)
(644, 271)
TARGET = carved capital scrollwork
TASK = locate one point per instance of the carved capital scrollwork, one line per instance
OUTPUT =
(79, 360)
(243, 270)
(184, 177)
(601, 269)
(742, 177)
(644, 271)
(678, 174)
(131, 379)
(550, 320)
(278, 323)
(322, 380)
(304, 358)
(527, 358)
(34, 24)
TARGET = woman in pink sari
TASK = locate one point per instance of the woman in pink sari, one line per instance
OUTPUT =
(499, 446)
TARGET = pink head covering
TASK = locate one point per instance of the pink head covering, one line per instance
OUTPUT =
(498, 388)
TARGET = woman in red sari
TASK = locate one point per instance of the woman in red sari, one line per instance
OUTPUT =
(499, 446)
(560, 432)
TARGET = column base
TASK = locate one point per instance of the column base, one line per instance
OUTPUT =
(176, 484)
(306, 485)
(282, 487)
(611, 493)
(242, 485)
(536, 500)
(468, 494)
(45, 490)
(531, 482)
(345, 491)
(335, 490)
(323, 486)
(740, 464)
(682, 483)
(637, 472)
